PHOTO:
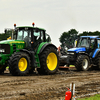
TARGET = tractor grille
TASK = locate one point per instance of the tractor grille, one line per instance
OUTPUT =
(14, 47)
(71, 55)
(5, 48)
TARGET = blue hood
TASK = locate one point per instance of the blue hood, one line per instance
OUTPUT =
(77, 49)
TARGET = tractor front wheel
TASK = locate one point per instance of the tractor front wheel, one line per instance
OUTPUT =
(19, 64)
(49, 61)
(82, 63)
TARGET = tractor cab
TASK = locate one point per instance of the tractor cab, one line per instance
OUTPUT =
(88, 44)
(32, 36)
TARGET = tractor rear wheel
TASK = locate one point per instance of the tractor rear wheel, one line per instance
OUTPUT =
(82, 63)
(49, 61)
(19, 64)
(97, 62)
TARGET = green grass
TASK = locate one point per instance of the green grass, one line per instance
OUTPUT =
(96, 97)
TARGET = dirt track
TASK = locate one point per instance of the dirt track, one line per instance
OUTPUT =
(51, 87)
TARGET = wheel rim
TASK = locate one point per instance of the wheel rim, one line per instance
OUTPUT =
(85, 63)
(51, 61)
(22, 64)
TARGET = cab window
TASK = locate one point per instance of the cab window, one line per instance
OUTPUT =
(92, 44)
(98, 43)
(38, 36)
(83, 42)
(48, 39)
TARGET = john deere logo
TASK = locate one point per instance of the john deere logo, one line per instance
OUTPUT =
(20, 46)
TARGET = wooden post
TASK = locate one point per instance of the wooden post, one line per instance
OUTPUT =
(72, 88)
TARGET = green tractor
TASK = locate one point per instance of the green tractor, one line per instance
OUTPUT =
(29, 49)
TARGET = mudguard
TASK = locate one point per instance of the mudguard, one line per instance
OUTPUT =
(46, 45)
(96, 52)
(31, 54)
(41, 47)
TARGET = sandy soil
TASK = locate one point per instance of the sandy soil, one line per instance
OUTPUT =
(48, 87)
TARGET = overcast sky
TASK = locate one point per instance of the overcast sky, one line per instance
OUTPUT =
(56, 16)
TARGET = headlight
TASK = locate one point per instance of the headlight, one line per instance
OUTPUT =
(2, 50)
(70, 53)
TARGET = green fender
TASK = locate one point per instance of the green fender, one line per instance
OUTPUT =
(41, 47)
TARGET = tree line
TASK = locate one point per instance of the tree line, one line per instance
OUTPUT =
(4, 36)
(67, 38)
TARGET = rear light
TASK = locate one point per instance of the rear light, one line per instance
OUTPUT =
(15, 25)
(33, 24)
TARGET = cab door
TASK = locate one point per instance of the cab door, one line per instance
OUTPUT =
(93, 46)
(38, 37)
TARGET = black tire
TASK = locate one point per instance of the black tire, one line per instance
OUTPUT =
(19, 64)
(97, 62)
(50, 56)
(82, 63)
(2, 68)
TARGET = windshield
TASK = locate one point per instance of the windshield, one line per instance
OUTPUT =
(83, 42)
(22, 34)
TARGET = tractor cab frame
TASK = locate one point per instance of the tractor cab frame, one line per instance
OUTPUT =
(90, 44)
(32, 36)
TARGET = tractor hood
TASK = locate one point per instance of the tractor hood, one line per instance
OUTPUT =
(77, 49)
(10, 46)
(11, 41)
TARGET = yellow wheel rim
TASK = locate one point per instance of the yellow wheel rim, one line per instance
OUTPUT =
(22, 64)
(51, 61)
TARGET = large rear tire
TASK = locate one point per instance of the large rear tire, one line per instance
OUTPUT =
(97, 62)
(19, 64)
(48, 61)
(82, 63)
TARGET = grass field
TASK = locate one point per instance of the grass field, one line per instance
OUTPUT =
(96, 97)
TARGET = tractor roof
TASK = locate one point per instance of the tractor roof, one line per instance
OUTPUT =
(30, 27)
(92, 37)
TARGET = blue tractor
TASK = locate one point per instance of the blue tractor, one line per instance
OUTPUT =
(85, 54)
